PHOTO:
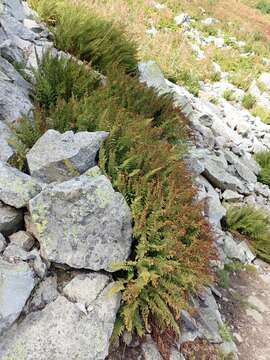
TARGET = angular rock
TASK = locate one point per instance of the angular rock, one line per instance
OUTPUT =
(43, 335)
(264, 78)
(232, 196)
(38, 265)
(3, 243)
(150, 350)
(16, 285)
(236, 251)
(14, 252)
(82, 223)
(16, 188)
(44, 294)
(219, 177)
(11, 219)
(23, 240)
(151, 74)
(14, 93)
(14, 8)
(59, 157)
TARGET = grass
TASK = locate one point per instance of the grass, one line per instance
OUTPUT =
(262, 113)
(255, 225)
(225, 332)
(143, 159)
(229, 95)
(263, 159)
(263, 6)
(248, 101)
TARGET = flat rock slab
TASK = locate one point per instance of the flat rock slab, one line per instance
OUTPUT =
(16, 188)
(63, 331)
(16, 285)
(83, 223)
(59, 157)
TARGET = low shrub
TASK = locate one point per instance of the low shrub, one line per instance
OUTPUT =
(262, 113)
(255, 225)
(263, 159)
(263, 6)
(142, 157)
(248, 101)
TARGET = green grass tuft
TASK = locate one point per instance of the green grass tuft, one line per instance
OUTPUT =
(263, 6)
(255, 225)
(248, 101)
(263, 159)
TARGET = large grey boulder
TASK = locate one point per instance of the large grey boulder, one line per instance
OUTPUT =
(59, 157)
(151, 74)
(83, 223)
(14, 93)
(6, 151)
(11, 219)
(16, 188)
(63, 331)
(14, 8)
(16, 285)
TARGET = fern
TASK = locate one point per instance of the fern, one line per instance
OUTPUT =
(263, 158)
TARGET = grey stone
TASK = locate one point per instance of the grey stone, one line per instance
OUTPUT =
(14, 252)
(22, 239)
(14, 8)
(245, 173)
(176, 355)
(39, 266)
(232, 196)
(62, 331)
(30, 227)
(150, 350)
(151, 74)
(82, 223)
(14, 93)
(3, 243)
(11, 219)
(45, 293)
(84, 288)
(264, 78)
(188, 321)
(214, 210)
(59, 157)
(33, 25)
(11, 52)
(16, 188)
(16, 285)
(94, 171)
(219, 177)
(236, 251)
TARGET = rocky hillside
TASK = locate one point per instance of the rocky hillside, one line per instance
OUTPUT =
(134, 208)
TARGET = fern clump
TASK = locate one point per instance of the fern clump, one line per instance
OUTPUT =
(87, 36)
(263, 159)
(255, 225)
(143, 157)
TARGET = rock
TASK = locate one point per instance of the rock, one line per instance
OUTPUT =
(23, 240)
(11, 219)
(236, 251)
(238, 338)
(82, 223)
(150, 351)
(181, 19)
(151, 74)
(214, 210)
(45, 293)
(188, 321)
(14, 8)
(256, 303)
(47, 331)
(6, 151)
(14, 252)
(209, 21)
(264, 78)
(16, 188)
(16, 285)
(39, 266)
(3, 243)
(84, 288)
(10, 52)
(33, 25)
(94, 171)
(14, 94)
(176, 355)
(245, 173)
(30, 227)
(232, 196)
(59, 157)
(219, 177)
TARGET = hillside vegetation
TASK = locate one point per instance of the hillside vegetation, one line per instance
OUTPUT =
(142, 157)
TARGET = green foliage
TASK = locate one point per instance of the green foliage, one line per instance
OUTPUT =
(262, 113)
(263, 159)
(254, 224)
(263, 6)
(248, 101)
(190, 81)
(228, 95)
(225, 332)
(143, 158)
(87, 36)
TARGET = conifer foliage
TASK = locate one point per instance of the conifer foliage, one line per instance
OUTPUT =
(142, 157)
